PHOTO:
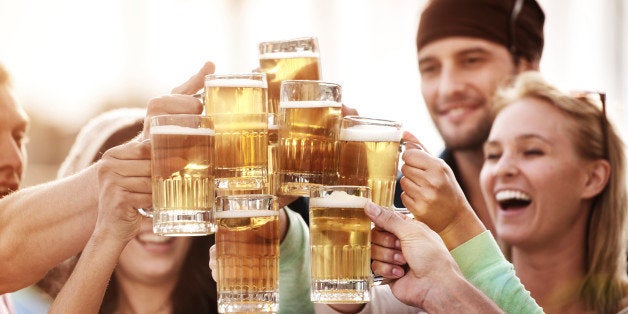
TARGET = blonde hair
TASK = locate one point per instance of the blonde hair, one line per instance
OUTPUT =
(594, 138)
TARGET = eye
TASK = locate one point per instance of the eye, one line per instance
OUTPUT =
(533, 152)
(492, 155)
(428, 69)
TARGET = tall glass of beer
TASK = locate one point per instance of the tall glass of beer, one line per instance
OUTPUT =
(182, 174)
(309, 123)
(369, 155)
(340, 244)
(293, 59)
(237, 103)
(247, 250)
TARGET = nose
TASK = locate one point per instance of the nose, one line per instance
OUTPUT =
(11, 160)
(506, 166)
(451, 83)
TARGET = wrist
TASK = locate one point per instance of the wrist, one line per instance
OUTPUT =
(462, 229)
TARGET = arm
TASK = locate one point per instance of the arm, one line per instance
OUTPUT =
(43, 225)
(124, 186)
(484, 265)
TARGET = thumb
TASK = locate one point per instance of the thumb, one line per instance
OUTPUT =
(196, 82)
(388, 220)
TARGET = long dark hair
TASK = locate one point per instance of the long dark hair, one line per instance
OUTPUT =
(195, 291)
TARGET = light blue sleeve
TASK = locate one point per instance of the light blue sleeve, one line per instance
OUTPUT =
(483, 264)
(294, 267)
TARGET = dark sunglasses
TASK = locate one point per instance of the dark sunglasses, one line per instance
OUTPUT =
(597, 99)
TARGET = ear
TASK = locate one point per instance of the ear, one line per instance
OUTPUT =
(527, 65)
(599, 172)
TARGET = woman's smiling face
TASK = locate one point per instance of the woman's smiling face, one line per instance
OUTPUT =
(532, 177)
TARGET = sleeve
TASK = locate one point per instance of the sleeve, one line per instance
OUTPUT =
(483, 264)
(294, 267)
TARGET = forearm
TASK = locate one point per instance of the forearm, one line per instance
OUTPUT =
(457, 295)
(483, 264)
(43, 225)
(463, 229)
(84, 290)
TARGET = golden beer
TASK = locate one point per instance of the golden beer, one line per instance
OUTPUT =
(241, 154)
(287, 66)
(340, 245)
(235, 93)
(308, 133)
(273, 151)
(294, 59)
(247, 250)
(369, 155)
(182, 179)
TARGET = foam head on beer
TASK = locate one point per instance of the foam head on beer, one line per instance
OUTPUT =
(370, 133)
(338, 199)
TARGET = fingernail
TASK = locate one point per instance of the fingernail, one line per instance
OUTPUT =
(372, 209)
(398, 272)
(398, 258)
(397, 244)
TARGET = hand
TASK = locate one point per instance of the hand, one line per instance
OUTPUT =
(124, 185)
(213, 261)
(348, 111)
(432, 194)
(428, 259)
(180, 100)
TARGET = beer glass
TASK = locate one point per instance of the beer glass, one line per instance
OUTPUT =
(182, 174)
(238, 105)
(369, 155)
(247, 250)
(235, 93)
(241, 154)
(340, 244)
(293, 59)
(309, 122)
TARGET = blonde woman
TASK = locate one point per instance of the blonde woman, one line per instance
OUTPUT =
(554, 181)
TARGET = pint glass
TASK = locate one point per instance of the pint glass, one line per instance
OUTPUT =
(235, 93)
(340, 244)
(294, 59)
(182, 174)
(247, 250)
(238, 105)
(369, 155)
(309, 122)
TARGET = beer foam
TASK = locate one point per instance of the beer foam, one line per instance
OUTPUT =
(289, 55)
(309, 104)
(245, 213)
(339, 199)
(235, 83)
(370, 133)
(180, 130)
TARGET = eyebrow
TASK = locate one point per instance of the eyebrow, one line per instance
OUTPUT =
(458, 53)
(523, 137)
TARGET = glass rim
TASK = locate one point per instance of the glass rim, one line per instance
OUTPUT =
(212, 76)
(179, 116)
(281, 41)
(339, 187)
(311, 82)
(374, 121)
(247, 196)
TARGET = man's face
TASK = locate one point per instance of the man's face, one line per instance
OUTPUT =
(459, 76)
(13, 126)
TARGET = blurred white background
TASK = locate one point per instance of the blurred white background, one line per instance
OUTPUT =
(72, 59)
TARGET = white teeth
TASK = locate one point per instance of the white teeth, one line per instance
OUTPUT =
(459, 110)
(153, 238)
(511, 195)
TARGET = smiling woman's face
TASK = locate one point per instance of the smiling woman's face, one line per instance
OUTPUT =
(151, 259)
(532, 178)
